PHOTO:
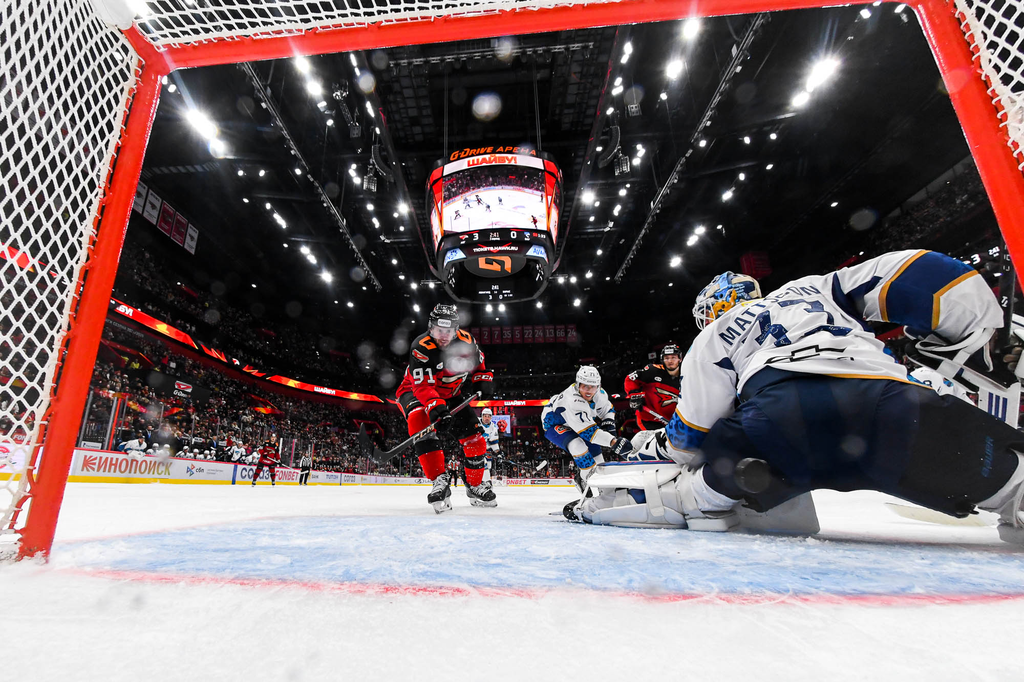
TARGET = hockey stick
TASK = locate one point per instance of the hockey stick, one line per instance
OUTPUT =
(654, 414)
(384, 456)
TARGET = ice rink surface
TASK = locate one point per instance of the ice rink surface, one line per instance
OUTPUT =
(180, 582)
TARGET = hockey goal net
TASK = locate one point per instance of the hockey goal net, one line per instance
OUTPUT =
(78, 94)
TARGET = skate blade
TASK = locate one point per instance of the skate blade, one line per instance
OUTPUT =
(482, 503)
(440, 507)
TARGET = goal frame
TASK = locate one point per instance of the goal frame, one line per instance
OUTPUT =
(976, 104)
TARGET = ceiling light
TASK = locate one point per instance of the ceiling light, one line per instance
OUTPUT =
(618, 207)
(241, 172)
(489, 308)
(865, 13)
(335, 301)
(314, 88)
(636, 160)
(624, 58)
(302, 64)
(351, 304)
(618, 80)
(403, 208)
(588, 196)
(801, 98)
(267, 205)
(700, 230)
(321, 105)
(597, 203)
(351, 172)
(834, 204)
(401, 228)
(610, 111)
(311, 258)
(899, 9)
(692, 240)
(821, 72)
(600, 251)
(172, 88)
(369, 107)
(617, 90)
(369, 207)
(416, 307)
(742, 176)
(627, 48)
(430, 285)
(691, 27)
(253, 286)
(622, 192)
(674, 68)
(304, 249)
(664, 95)
(376, 223)
(561, 279)
(727, 195)
(773, 136)
(576, 302)
(394, 261)
(591, 218)
(599, 148)
(330, 121)
(262, 172)
(326, 276)
(675, 262)
(413, 285)
(572, 280)
(401, 277)
(746, 139)
(245, 200)
(589, 274)
(640, 152)
(702, 144)
(539, 304)
(203, 125)
(218, 147)
(769, 166)
(285, 245)
(501, 307)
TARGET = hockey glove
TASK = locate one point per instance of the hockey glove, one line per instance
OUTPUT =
(622, 447)
(608, 425)
(636, 401)
(440, 416)
(484, 383)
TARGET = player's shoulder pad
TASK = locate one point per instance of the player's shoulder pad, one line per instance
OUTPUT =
(423, 349)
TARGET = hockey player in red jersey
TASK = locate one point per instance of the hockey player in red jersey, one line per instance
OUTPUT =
(268, 459)
(440, 363)
(655, 389)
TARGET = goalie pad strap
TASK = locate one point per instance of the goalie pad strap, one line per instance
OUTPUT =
(653, 494)
(632, 474)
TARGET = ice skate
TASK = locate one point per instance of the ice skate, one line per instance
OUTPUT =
(440, 496)
(481, 495)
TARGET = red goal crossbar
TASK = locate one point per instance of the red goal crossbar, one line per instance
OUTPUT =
(948, 27)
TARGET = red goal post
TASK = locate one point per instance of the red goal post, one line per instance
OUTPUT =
(79, 95)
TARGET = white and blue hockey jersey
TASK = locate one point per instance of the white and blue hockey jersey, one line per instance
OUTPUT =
(593, 421)
(816, 325)
(491, 435)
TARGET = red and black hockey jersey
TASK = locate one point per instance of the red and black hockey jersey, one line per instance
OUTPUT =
(434, 372)
(659, 388)
(268, 455)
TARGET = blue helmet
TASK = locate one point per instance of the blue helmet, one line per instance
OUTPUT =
(724, 292)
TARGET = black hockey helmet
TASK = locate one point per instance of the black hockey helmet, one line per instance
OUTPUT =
(670, 349)
(444, 315)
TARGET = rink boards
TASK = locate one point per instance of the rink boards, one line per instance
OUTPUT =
(101, 466)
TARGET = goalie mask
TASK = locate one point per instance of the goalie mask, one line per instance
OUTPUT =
(724, 292)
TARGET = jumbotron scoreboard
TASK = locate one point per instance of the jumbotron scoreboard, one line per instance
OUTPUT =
(494, 222)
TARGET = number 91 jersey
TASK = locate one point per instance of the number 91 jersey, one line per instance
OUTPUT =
(436, 372)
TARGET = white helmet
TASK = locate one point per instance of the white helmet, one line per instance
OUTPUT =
(487, 411)
(588, 376)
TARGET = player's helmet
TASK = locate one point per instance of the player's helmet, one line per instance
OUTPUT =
(445, 316)
(724, 292)
(670, 349)
(487, 411)
(588, 376)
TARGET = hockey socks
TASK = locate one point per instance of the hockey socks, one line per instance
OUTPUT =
(474, 448)
(432, 463)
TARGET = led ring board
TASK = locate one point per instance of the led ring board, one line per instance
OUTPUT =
(494, 222)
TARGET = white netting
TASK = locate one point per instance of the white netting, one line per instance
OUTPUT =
(174, 22)
(996, 30)
(64, 84)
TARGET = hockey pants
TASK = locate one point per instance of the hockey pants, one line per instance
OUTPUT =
(861, 434)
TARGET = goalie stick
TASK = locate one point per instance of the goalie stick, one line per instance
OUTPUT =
(384, 456)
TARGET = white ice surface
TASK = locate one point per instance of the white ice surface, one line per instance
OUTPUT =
(177, 582)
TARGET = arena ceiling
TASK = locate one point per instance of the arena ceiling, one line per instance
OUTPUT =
(725, 154)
